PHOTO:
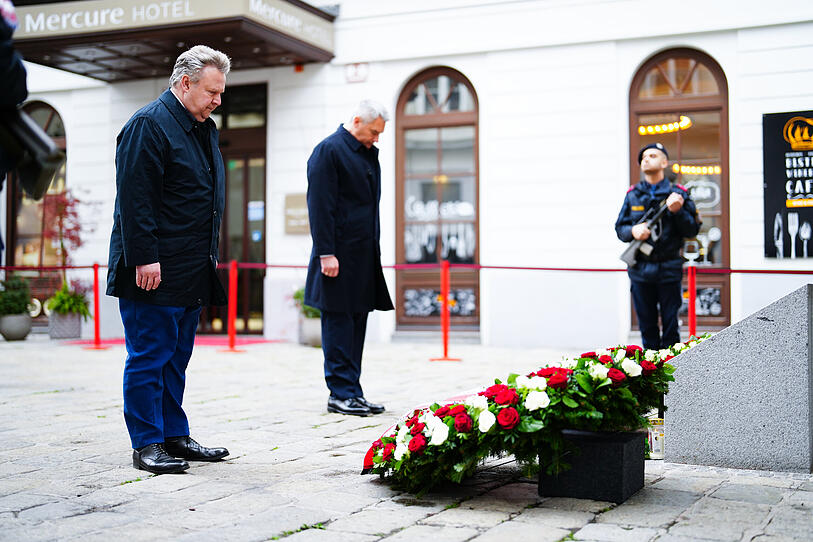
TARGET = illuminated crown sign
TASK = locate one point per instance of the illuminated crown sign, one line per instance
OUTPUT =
(797, 133)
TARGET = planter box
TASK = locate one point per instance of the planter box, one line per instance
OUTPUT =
(608, 467)
(64, 326)
(310, 331)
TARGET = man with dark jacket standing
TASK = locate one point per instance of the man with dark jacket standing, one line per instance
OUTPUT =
(345, 280)
(170, 196)
(656, 278)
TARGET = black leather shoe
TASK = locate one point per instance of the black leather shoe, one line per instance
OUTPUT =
(350, 406)
(187, 448)
(155, 459)
(375, 408)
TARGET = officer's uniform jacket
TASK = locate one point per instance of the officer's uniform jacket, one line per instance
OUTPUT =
(169, 204)
(665, 263)
(344, 189)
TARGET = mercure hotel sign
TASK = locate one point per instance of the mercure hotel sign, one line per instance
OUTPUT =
(85, 17)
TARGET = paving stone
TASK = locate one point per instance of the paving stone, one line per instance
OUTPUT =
(578, 505)
(54, 510)
(466, 517)
(511, 530)
(319, 535)
(704, 519)
(134, 532)
(641, 515)
(806, 486)
(800, 500)
(435, 534)
(553, 517)
(749, 493)
(22, 501)
(692, 484)
(378, 522)
(614, 533)
(792, 522)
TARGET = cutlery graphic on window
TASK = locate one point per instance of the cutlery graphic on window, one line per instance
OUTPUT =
(805, 232)
(793, 229)
(777, 235)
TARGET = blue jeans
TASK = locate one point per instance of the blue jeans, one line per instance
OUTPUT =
(343, 343)
(648, 297)
(159, 343)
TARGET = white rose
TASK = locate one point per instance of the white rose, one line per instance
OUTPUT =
(600, 353)
(523, 382)
(439, 434)
(477, 401)
(537, 383)
(692, 344)
(403, 434)
(568, 363)
(620, 355)
(598, 371)
(486, 421)
(665, 353)
(650, 355)
(631, 368)
(537, 400)
(400, 450)
(678, 347)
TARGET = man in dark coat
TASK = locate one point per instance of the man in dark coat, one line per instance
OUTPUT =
(345, 280)
(170, 196)
(656, 278)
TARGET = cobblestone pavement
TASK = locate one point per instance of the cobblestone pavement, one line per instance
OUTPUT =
(293, 472)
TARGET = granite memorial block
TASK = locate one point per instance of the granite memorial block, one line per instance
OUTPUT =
(742, 399)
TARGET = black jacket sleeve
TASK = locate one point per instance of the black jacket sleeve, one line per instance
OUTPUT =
(323, 195)
(139, 177)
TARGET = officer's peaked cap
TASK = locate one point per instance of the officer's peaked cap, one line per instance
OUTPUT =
(658, 146)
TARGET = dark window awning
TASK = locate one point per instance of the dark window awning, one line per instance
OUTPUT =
(119, 40)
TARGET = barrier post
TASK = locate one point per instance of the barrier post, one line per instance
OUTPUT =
(97, 340)
(232, 310)
(444, 311)
(692, 280)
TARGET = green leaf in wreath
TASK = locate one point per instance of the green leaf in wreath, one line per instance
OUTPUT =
(512, 379)
(530, 425)
(569, 402)
(584, 382)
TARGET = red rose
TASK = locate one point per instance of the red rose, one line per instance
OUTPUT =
(378, 444)
(667, 358)
(492, 391)
(417, 428)
(389, 449)
(462, 423)
(417, 444)
(368, 459)
(632, 348)
(442, 411)
(588, 355)
(605, 359)
(457, 409)
(648, 367)
(412, 421)
(546, 372)
(508, 418)
(508, 396)
(558, 380)
(616, 376)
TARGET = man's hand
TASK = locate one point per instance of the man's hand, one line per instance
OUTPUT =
(148, 276)
(674, 202)
(640, 232)
(330, 266)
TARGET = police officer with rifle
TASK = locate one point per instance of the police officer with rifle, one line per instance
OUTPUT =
(655, 218)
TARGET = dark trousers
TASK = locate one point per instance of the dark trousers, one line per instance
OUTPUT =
(159, 342)
(343, 343)
(648, 297)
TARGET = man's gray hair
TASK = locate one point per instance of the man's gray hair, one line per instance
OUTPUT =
(191, 63)
(369, 110)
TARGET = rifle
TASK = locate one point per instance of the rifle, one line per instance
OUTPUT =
(630, 254)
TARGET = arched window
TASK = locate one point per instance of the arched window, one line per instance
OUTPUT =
(437, 195)
(41, 233)
(679, 97)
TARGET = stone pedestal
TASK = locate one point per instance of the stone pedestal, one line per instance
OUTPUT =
(608, 467)
(742, 399)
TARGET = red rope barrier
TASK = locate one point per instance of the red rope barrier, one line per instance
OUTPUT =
(232, 319)
(97, 340)
(692, 279)
(444, 311)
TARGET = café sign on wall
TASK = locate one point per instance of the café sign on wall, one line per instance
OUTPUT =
(788, 183)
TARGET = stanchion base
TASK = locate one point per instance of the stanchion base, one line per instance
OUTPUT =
(231, 350)
(445, 359)
(96, 347)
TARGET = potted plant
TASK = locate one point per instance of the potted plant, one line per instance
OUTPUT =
(66, 306)
(15, 322)
(310, 325)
